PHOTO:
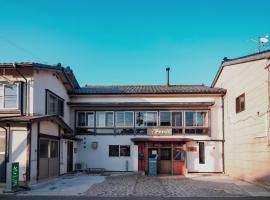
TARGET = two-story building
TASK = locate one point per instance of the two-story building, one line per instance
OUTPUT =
(34, 120)
(246, 116)
(122, 126)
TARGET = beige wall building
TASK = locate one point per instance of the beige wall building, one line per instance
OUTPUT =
(246, 116)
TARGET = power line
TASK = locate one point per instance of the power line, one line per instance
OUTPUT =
(22, 49)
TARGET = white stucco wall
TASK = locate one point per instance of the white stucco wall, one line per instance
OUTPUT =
(19, 149)
(99, 158)
(213, 157)
(63, 156)
(47, 80)
(34, 147)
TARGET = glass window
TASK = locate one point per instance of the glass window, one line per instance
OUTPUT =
(201, 153)
(129, 119)
(177, 119)
(240, 103)
(124, 119)
(81, 119)
(8, 96)
(54, 149)
(179, 154)
(146, 118)
(140, 118)
(90, 119)
(165, 154)
(109, 119)
(55, 105)
(43, 148)
(165, 119)
(113, 150)
(104, 119)
(202, 119)
(120, 119)
(100, 119)
(10, 99)
(190, 118)
(124, 150)
(151, 118)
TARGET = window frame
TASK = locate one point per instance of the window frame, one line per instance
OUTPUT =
(122, 147)
(201, 152)
(17, 93)
(96, 114)
(146, 111)
(58, 98)
(115, 122)
(85, 113)
(238, 107)
(159, 119)
(196, 120)
(117, 148)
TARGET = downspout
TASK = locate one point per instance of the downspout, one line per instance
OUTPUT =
(26, 88)
(6, 149)
(223, 136)
(268, 114)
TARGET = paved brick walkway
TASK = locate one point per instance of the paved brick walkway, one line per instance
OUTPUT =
(197, 186)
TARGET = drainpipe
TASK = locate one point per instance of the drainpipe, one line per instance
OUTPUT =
(26, 91)
(9, 160)
(268, 114)
(223, 135)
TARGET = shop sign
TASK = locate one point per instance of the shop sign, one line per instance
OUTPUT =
(192, 148)
(159, 131)
(15, 176)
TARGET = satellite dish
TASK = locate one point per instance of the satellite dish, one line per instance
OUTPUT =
(264, 39)
(262, 42)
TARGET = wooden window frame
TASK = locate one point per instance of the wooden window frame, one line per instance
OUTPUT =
(201, 153)
(17, 99)
(238, 105)
(49, 92)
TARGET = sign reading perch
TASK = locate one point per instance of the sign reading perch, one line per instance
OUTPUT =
(159, 131)
(15, 176)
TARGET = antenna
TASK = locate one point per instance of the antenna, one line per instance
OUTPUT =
(262, 42)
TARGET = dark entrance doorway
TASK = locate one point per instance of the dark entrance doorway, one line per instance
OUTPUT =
(2, 157)
(69, 156)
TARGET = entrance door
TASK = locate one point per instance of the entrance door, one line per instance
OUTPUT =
(69, 156)
(165, 161)
(48, 158)
(179, 157)
(2, 157)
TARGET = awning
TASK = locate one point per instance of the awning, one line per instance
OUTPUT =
(37, 118)
(138, 140)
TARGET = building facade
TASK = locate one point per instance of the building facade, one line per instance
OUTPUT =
(34, 121)
(246, 116)
(122, 126)
(52, 126)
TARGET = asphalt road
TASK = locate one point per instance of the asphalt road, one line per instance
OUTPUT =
(12, 197)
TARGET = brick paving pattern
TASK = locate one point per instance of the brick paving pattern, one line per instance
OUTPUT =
(144, 186)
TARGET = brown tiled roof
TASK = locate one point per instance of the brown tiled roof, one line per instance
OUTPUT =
(36, 118)
(243, 59)
(67, 72)
(147, 89)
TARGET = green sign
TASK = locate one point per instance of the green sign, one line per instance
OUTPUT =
(15, 176)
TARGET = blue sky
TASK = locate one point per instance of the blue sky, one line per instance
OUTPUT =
(132, 41)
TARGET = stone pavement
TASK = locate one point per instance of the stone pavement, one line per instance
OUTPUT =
(69, 185)
(175, 186)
